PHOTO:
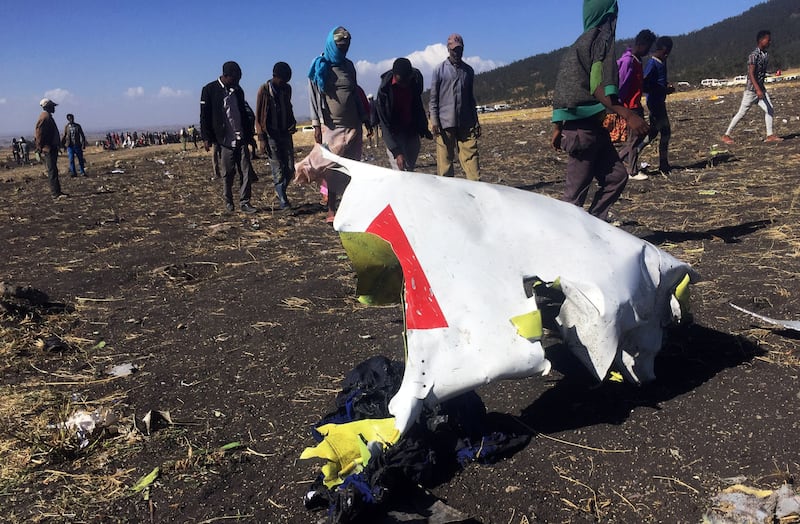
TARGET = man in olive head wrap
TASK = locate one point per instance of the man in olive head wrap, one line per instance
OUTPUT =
(586, 87)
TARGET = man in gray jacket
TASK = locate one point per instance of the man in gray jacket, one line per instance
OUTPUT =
(454, 118)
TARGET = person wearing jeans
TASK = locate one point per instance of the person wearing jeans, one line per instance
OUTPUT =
(75, 141)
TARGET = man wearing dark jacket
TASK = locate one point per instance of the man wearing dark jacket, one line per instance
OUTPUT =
(401, 114)
(75, 141)
(224, 122)
(48, 142)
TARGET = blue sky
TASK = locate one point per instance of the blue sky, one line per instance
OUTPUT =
(141, 65)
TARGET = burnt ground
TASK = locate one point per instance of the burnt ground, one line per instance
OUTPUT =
(242, 327)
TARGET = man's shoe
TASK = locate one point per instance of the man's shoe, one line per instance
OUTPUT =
(229, 207)
(639, 176)
(247, 208)
(728, 140)
(84, 173)
(60, 196)
(72, 175)
(773, 138)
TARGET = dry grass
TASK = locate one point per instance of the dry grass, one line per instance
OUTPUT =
(43, 387)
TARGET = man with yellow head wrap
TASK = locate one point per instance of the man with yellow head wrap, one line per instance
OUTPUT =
(586, 87)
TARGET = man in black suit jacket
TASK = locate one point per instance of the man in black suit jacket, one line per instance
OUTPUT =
(224, 122)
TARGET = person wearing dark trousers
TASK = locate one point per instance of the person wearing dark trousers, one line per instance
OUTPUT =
(657, 86)
(587, 87)
(401, 114)
(275, 125)
(47, 143)
(224, 122)
(631, 79)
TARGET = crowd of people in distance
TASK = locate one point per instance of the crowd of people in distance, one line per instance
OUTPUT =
(128, 139)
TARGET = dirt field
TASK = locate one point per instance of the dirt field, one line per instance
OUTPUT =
(242, 327)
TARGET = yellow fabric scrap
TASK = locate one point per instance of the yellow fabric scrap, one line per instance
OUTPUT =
(747, 490)
(615, 376)
(344, 446)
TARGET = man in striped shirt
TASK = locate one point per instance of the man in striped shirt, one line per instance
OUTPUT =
(754, 91)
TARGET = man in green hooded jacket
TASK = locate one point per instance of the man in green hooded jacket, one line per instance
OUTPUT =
(587, 88)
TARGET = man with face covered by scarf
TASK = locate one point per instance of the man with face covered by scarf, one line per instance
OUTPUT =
(337, 115)
(586, 88)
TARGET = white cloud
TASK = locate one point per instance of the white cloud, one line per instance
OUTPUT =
(426, 60)
(59, 96)
(168, 92)
(3, 100)
(134, 92)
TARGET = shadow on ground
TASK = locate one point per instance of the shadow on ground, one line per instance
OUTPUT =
(694, 355)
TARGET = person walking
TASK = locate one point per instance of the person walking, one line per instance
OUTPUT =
(74, 141)
(401, 114)
(337, 115)
(657, 86)
(454, 118)
(631, 78)
(754, 90)
(224, 122)
(586, 87)
(47, 142)
(275, 125)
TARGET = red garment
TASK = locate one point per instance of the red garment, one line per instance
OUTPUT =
(631, 77)
(402, 113)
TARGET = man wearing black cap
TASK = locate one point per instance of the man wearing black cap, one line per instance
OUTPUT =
(275, 125)
(401, 114)
(454, 118)
(224, 122)
(48, 142)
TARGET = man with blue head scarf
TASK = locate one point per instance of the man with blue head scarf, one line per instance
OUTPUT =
(337, 115)
(586, 88)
